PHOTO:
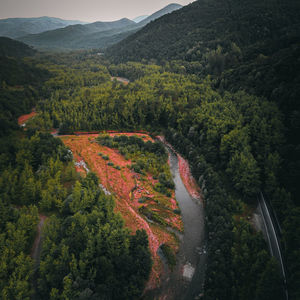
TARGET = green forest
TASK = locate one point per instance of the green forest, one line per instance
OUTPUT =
(227, 102)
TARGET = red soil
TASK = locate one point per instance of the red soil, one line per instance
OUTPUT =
(120, 79)
(185, 173)
(24, 118)
(128, 187)
(54, 131)
(188, 179)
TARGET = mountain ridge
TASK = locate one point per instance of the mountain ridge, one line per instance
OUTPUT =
(165, 10)
(93, 35)
(17, 27)
(140, 18)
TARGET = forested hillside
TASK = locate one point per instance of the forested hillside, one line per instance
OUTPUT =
(20, 83)
(12, 48)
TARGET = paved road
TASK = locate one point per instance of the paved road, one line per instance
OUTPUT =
(272, 237)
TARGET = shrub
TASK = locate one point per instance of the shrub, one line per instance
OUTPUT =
(169, 255)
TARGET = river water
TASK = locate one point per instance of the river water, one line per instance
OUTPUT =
(185, 282)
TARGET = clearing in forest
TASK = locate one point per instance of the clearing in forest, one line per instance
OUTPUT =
(134, 168)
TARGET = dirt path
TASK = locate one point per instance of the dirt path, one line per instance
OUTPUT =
(36, 248)
(120, 79)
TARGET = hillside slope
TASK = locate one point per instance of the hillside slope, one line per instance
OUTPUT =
(166, 10)
(191, 32)
(20, 83)
(12, 48)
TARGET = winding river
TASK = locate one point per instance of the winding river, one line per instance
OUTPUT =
(185, 282)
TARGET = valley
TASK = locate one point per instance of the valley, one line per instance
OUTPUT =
(154, 158)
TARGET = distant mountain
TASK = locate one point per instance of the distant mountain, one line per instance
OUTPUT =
(93, 35)
(12, 48)
(78, 36)
(166, 10)
(17, 27)
(140, 18)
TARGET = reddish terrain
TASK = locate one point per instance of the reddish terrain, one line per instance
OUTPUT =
(187, 178)
(185, 173)
(132, 191)
(120, 79)
(24, 118)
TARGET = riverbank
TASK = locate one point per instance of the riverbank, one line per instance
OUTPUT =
(185, 281)
(140, 204)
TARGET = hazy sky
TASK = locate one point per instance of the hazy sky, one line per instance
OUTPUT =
(84, 10)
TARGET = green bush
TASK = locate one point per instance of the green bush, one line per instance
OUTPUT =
(169, 255)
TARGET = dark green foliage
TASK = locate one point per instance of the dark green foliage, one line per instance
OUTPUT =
(19, 84)
(152, 215)
(169, 255)
(12, 48)
(233, 246)
(16, 237)
(214, 35)
(92, 250)
(31, 176)
(86, 249)
(270, 285)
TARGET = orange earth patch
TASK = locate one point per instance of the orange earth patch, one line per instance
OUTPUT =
(131, 191)
(185, 173)
(120, 79)
(24, 118)
(187, 178)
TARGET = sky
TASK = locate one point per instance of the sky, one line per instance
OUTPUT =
(83, 10)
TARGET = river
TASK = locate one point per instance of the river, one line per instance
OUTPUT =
(185, 282)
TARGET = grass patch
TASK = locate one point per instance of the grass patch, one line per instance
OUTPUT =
(169, 255)
(152, 215)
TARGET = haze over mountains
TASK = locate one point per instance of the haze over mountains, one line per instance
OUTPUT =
(17, 27)
(80, 36)
(140, 18)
